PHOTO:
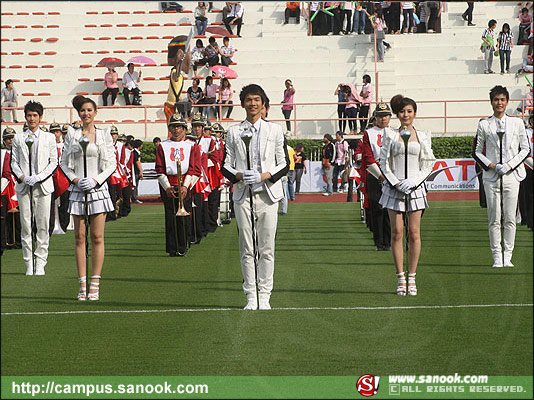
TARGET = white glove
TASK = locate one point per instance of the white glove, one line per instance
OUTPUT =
(406, 185)
(86, 184)
(502, 169)
(251, 177)
(31, 180)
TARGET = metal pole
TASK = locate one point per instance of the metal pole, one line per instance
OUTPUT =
(246, 139)
(29, 143)
(84, 142)
(405, 135)
(500, 134)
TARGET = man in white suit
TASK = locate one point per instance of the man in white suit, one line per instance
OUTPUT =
(257, 191)
(505, 175)
(43, 164)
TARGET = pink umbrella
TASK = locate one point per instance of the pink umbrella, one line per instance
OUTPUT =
(217, 30)
(141, 60)
(224, 71)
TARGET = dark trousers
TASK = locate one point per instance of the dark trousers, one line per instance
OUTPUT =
(469, 12)
(432, 19)
(481, 192)
(126, 92)
(214, 200)
(292, 13)
(378, 216)
(222, 109)
(341, 114)
(364, 113)
(135, 191)
(238, 22)
(10, 229)
(335, 21)
(62, 210)
(346, 14)
(204, 218)
(298, 178)
(287, 115)
(337, 170)
(505, 56)
(226, 61)
(176, 228)
(195, 231)
(320, 24)
(106, 93)
(352, 112)
(526, 199)
(126, 205)
(407, 23)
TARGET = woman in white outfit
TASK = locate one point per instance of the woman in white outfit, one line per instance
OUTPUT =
(403, 193)
(101, 163)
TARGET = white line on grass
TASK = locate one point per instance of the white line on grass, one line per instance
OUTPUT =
(274, 309)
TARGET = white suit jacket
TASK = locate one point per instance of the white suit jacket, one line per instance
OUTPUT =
(72, 156)
(273, 159)
(46, 162)
(515, 141)
(426, 156)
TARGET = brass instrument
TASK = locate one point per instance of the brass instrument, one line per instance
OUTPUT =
(181, 209)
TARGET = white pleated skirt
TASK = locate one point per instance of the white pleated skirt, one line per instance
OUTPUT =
(394, 199)
(98, 201)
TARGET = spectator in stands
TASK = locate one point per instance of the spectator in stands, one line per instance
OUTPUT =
(394, 15)
(341, 94)
(525, 19)
(235, 17)
(198, 55)
(341, 157)
(227, 52)
(10, 99)
(434, 8)
(505, 42)
(335, 18)
(358, 23)
(210, 94)
(226, 10)
(352, 108)
(130, 82)
(201, 20)
(194, 96)
(300, 165)
(422, 12)
(488, 46)
(468, 14)
(112, 88)
(212, 52)
(379, 27)
(407, 11)
(138, 168)
(292, 10)
(346, 12)
(287, 106)
(225, 96)
(367, 96)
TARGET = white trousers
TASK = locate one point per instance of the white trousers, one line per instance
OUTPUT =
(41, 214)
(493, 198)
(266, 220)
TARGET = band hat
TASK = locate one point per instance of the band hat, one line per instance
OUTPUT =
(76, 125)
(177, 120)
(65, 128)
(8, 133)
(43, 128)
(114, 130)
(216, 127)
(54, 126)
(122, 138)
(198, 120)
(382, 108)
(208, 125)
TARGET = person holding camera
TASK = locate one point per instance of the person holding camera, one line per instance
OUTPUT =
(130, 82)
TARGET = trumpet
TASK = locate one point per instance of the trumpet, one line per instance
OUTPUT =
(181, 209)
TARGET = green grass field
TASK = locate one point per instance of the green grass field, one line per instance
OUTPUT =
(324, 259)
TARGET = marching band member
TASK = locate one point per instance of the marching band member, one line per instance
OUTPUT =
(60, 203)
(202, 186)
(501, 177)
(10, 212)
(257, 191)
(371, 143)
(174, 184)
(101, 163)
(208, 141)
(404, 191)
(35, 186)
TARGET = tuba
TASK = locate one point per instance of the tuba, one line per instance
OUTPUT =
(181, 209)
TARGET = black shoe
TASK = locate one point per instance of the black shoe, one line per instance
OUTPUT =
(181, 252)
(471, 24)
(464, 17)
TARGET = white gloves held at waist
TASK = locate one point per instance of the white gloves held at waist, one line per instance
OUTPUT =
(406, 186)
(86, 184)
(31, 180)
(251, 177)
(502, 169)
